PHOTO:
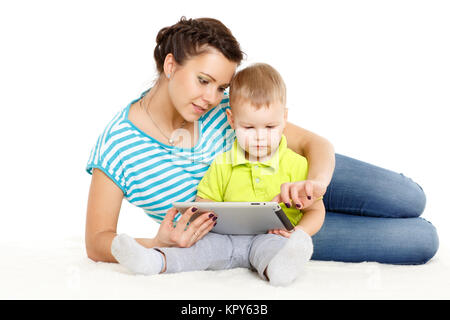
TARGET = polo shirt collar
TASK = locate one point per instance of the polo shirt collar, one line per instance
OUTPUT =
(238, 155)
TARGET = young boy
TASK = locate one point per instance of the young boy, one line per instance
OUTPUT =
(254, 169)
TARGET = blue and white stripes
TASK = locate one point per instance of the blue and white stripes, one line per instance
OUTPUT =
(153, 175)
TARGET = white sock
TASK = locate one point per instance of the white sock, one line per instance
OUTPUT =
(288, 263)
(135, 257)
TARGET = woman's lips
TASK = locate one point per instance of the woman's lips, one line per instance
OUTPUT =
(198, 109)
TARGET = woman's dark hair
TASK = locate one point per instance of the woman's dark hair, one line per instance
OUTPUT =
(191, 37)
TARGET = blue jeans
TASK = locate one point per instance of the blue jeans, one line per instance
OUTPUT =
(373, 215)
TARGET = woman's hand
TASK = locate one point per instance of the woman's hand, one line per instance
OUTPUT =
(182, 235)
(300, 194)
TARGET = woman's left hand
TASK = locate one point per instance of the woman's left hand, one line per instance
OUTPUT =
(300, 194)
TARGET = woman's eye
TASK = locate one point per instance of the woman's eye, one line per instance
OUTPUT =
(202, 81)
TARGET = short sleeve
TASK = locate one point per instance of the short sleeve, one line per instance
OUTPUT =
(212, 184)
(300, 173)
(104, 157)
(295, 165)
(301, 168)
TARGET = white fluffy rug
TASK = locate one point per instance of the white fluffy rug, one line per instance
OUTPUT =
(61, 270)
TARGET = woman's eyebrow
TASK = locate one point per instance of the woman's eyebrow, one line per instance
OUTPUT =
(212, 78)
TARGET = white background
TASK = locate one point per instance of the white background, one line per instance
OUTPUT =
(371, 76)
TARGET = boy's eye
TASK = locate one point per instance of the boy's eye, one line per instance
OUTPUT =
(270, 127)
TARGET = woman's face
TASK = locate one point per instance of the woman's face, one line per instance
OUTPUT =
(198, 85)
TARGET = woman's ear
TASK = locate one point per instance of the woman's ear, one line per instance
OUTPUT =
(230, 117)
(169, 65)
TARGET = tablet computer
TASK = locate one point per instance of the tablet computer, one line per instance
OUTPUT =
(241, 217)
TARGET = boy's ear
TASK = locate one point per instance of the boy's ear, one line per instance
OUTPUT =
(285, 114)
(230, 117)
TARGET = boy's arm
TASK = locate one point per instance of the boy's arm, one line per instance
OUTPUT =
(198, 199)
(313, 218)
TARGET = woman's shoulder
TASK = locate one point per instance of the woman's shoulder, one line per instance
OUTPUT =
(110, 135)
(116, 126)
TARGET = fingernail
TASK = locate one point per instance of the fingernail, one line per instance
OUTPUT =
(194, 209)
(287, 205)
(309, 197)
(214, 224)
(211, 215)
(214, 219)
(298, 205)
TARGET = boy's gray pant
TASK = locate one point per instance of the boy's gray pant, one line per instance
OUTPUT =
(217, 252)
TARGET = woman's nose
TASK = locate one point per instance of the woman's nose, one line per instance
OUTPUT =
(212, 96)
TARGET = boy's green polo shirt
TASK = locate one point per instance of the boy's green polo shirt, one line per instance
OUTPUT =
(233, 178)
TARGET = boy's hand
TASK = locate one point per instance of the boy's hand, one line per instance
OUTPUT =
(280, 232)
(285, 233)
(300, 194)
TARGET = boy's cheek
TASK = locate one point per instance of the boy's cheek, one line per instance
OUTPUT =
(243, 138)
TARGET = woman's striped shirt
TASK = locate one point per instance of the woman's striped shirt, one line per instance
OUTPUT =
(153, 175)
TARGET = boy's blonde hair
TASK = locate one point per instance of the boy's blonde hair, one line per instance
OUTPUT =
(259, 84)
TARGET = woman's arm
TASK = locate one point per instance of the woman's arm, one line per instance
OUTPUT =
(105, 200)
(318, 150)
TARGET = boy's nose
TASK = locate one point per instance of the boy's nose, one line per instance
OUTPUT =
(261, 134)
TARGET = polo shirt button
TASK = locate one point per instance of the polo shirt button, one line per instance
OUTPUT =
(257, 180)
(256, 167)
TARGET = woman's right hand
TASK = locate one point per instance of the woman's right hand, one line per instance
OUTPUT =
(182, 235)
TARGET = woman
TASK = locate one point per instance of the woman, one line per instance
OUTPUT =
(155, 151)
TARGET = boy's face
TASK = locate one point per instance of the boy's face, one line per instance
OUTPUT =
(258, 131)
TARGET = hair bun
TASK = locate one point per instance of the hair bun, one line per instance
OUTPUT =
(185, 38)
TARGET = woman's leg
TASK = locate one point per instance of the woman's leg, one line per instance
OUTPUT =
(363, 205)
(363, 189)
(351, 238)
